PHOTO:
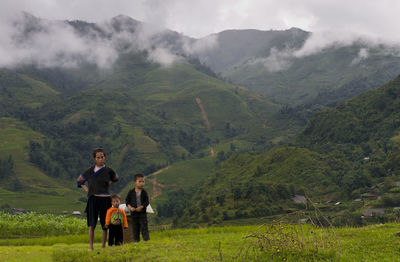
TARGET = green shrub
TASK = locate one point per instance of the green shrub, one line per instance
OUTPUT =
(390, 200)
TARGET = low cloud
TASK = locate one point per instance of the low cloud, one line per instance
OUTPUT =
(319, 41)
(163, 56)
(362, 55)
(281, 60)
(48, 43)
(44, 43)
(197, 47)
(28, 40)
(276, 61)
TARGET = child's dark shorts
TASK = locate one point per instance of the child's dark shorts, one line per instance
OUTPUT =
(97, 206)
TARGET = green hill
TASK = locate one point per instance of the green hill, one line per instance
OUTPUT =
(325, 78)
(149, 116)
(369, 118)
(345, 153)
(170, 186)
(146, 115)
(255, 185)
(27, 186)
(266, 62)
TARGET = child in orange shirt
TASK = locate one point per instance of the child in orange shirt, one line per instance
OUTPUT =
(115, 219)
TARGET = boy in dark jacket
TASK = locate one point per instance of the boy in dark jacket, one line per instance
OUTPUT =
(137, 201)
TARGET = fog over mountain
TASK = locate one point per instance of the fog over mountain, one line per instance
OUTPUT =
(205, 17)
(45, 43)
(54, 43)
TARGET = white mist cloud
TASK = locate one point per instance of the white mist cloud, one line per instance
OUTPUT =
(319, 41)
(44, 43)
(278, 60)
(27, 40)
(362, 55)
(281, 60)
(163, 56)
(204, 17)
(196, 47)
(377, 19)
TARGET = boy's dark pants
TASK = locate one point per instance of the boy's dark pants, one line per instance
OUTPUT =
(115, 235)
(139, 224)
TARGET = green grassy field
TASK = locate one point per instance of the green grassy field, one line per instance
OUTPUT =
(180, 175)
(43, 202)
(187, 173)
(32, 92)
(234, 243)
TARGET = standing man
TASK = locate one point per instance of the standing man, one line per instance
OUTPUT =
(99, 178)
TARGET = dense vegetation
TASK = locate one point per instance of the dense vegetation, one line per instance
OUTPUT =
(36, 225)
(215, 146)
(145, 115)
(8, 180)
(6, 168)
(186, 118)
(343, 154)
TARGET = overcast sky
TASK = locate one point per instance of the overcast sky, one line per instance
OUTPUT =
(198, 18)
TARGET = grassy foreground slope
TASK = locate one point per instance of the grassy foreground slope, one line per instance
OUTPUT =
(371, 243)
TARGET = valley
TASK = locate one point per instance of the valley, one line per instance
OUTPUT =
(242, 126)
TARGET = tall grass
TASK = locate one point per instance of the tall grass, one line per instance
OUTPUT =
(291, 242)
(35, 225)
(370, 244)
(49, 240)
(282, 240)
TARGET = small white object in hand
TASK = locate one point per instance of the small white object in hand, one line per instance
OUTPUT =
(149, 209)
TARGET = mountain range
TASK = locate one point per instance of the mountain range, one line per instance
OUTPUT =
(204, 112)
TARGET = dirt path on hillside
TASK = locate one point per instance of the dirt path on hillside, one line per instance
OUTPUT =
(203, 113)
(159, 171)
(156, 186)
(212, 152)
(265, 124)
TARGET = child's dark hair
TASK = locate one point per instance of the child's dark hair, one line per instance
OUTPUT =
(116, 196)
(137, 176)
(98, 150)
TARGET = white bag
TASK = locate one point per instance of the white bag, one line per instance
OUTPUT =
(149, 209)
(128, 212)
